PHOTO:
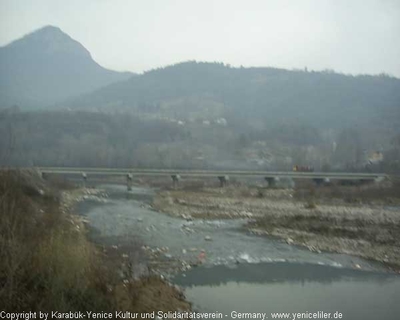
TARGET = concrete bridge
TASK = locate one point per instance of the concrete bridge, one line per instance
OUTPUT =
(272, 177)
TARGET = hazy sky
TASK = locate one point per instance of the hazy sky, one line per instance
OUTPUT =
(350, 36)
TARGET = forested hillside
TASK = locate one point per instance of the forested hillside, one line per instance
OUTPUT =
(93, 139)
(188, 115)
(194, 90)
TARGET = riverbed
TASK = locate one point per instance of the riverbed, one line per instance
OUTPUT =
(242, 271)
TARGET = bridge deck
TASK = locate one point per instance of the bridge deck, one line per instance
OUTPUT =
(213, 173)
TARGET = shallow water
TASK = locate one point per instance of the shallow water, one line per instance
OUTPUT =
(245, 272)
(123, 218)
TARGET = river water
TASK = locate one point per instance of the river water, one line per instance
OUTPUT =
(243, 272)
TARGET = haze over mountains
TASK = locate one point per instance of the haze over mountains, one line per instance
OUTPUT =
(191, 114)
(193, 90)
(49, 69)
(47, 66)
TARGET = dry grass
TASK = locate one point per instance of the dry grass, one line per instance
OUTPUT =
(310, 204)
(150, 294)
(46, 262)
(386, 192)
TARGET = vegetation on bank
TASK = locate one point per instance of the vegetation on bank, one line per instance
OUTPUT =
(46, 262)
(387, 192)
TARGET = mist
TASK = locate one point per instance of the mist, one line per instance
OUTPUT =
(357, 37)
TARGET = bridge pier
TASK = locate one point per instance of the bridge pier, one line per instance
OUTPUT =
(175, 180)
(379, 179)
(272, 181)
(223, 180)
(84, 177)
(129, 181)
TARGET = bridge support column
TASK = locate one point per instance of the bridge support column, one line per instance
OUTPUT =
(84, 177)
(223, 180)
(272, 181)
(129, 181)
(44, 175)
(175, 180)
(379, 179)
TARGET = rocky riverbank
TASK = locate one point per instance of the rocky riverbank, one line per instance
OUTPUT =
(367, 229)
(136, 283)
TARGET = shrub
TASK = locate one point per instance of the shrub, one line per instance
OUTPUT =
(45, 262)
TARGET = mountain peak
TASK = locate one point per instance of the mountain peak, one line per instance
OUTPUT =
(46, 66)
(49, 40)
(48, 31)
(48, 28)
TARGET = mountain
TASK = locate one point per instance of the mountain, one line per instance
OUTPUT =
(48, 66)
(199, 90)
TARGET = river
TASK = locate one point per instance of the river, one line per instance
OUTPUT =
(243, 272)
